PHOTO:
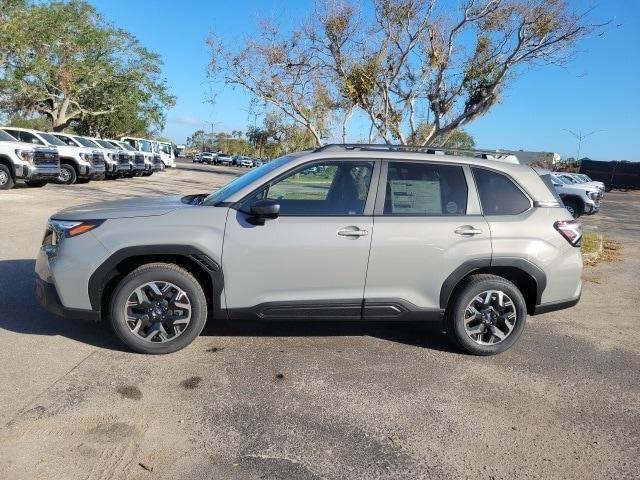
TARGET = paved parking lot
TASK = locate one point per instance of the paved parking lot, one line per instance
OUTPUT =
(319, 400)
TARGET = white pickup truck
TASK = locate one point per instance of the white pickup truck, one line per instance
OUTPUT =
(77, 164)
(34, 165)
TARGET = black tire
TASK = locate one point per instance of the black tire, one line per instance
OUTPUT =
(87, 180)
(473, 286)
(158, 272)
(6, 180)
(573, 207)
(35, 183)
(68, 175)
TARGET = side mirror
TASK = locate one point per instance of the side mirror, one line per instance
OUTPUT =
(265, 209)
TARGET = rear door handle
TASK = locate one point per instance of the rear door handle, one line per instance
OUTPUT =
(352, 232)
(467, 230)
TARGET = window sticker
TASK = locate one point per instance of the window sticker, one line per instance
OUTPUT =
(416, 196)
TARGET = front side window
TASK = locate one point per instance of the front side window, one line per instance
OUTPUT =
(67, 140)
(417, 188)
(498, 194)
(329, 188)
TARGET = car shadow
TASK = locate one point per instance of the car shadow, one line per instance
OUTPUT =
(21, 313)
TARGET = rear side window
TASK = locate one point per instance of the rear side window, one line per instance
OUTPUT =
(498, 194)
(546, 178)
(425, 189)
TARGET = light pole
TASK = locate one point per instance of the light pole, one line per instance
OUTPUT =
(580, 136)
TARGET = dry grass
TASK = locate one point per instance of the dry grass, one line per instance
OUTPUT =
(610, 249)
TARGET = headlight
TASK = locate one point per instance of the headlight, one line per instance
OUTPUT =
(69, 229)
(26, 155)
(593, 195)
(86, 157)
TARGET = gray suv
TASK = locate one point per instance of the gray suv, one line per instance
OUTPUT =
(353, 232)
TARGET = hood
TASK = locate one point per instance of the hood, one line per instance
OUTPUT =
(127, 208)
(68, 150)
(19, 145)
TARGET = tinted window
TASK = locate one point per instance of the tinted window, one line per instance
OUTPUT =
(331, 188)
(425, 189)
(25, 137)
(5, 137)
(66, 140)
(546, 178)
(498, 194)
(52, 140)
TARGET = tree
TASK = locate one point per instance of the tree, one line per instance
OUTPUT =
(405, 65)
(61, 60)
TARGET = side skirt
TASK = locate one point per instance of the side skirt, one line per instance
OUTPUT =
(332, 310)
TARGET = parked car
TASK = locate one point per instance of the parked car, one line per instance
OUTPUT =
(246, 162)
(208, 158)
(111, 163)
(26, 162)
(166, 152)
(77, 164)
(137, 165)
(473, 243)
(224, 159)
(579, 199)
(576, 178)
(145, 150)
(118, 153)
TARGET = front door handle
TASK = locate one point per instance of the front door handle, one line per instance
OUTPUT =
(467, 231)
(352, 232)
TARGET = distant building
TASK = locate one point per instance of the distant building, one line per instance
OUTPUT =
(528, 158)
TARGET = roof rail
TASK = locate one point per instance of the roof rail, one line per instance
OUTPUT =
(412, 148)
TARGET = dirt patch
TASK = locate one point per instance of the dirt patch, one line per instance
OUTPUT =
(191, 383)
(608, 252)
(129, 391)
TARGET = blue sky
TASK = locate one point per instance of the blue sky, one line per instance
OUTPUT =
(599, 90)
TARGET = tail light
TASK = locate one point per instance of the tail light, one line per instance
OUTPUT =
(570, 230)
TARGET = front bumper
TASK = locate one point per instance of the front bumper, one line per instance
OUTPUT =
(591, 208)
(48, 298)
(30, 172)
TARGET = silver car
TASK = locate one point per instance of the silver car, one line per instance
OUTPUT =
(351, 232)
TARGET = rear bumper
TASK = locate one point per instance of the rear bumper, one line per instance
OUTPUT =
(49, 299)
(555, 306)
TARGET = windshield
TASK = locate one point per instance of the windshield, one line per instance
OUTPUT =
(5, 137)
(145, 146)
(568, 180)
(104, 143)
(51, 140)
(124, 145)
(586, 178)
(85, 142)
(164, 148)
(561, 180)
(239, 183)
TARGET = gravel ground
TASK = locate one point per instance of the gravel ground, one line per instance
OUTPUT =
(315, 400)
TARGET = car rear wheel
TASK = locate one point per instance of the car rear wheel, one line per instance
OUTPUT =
(6, 180)
(487, 315)
(158, 308)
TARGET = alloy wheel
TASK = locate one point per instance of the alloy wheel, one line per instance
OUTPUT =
(158, 311)
(4, 178)
(65, 175)
(490, 317)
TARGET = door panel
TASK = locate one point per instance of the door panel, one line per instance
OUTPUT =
(295, 259)
(427, 224)
(412, 256)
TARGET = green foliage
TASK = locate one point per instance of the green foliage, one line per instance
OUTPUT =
(34, 122)
(64, 62)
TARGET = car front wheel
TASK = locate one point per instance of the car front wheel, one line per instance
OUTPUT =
(487, 315)
(67, 175)
(158, 308)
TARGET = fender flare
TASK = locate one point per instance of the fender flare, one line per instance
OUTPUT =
(104, 273)
(471, 266)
